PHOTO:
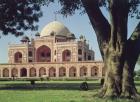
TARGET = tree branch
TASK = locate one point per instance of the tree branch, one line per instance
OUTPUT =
(133, 46)
(118, 10)
(136, 34)
(99, 23)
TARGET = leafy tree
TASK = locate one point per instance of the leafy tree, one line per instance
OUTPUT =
(19, 15)
(119, 53)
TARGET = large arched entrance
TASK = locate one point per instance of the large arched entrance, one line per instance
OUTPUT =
(52, 72)
(94, 71)
(32, 72)
(42, 71)
(72, 72)
(43, 54)
(14, 72)
(18, 57)
(66, 55)
(5, 72)
(62, 72)
(83, 71)
(23, 72)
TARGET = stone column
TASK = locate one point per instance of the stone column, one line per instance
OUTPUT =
(10, 72)
(57, 72)
(67, 72)
(18, 72)
(2, 72)
(88, 72)
(28, 72)
(77, 72)
(37, 72)
(47, 71)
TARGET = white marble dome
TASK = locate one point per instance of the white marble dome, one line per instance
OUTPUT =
(56, 28)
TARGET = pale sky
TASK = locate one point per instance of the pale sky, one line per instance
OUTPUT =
(77, 24)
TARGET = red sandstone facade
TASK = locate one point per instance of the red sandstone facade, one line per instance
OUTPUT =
(55, 53)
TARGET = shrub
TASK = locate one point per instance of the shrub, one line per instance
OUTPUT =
(137, 78)
(84, 86)
(32, 82)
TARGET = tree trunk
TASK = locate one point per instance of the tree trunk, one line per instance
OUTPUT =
(116, 52)
(113, 76)
(113, 44)
(128, 87)
(133, 50)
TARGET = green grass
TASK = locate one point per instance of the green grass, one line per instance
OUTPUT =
(52, 91)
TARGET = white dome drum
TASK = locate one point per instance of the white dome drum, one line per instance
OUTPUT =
(56, 28)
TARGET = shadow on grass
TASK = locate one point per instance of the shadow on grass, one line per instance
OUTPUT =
(47, 86)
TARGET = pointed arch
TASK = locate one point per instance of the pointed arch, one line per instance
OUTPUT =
(23, 72)
(43, 54)
(18, 57)
(42, 71)
(72, 72)
(32, 72)
(83, 71)
(14, 72)
(5, 72)
(94, 71)
(52, 72)
(62, 71)
(66, 55)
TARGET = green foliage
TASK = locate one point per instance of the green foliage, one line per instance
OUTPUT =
(137, 78)
(134, 8)
(19, 15)
(16, 16)
(138, 73)
(70, 6)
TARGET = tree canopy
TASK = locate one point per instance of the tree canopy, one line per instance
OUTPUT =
(20, 15)
(16, 16)
(68, 7)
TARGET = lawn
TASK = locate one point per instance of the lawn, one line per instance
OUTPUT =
(52, 91)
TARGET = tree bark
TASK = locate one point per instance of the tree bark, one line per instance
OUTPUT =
(132, 54)
(118, 16)
(111, 39)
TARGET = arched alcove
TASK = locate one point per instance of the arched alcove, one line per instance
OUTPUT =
(83, 71)
(62, 72)
(18, 57)
(52, 72)
(72, 72)
(23, 72)
(43, 54)
(66, 55)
